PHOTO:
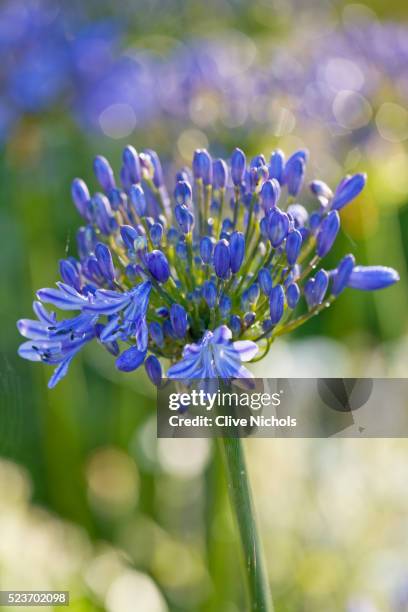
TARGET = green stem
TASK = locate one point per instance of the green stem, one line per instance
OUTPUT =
(241, 502)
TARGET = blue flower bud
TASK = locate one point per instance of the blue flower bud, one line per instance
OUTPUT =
(132, 164)
(220, 174)
(156, 233)
(225, 306)
(347, 190)
(206, 249)
(178, 318)
(315, 221)
(265, 280)
(137, 198)
(227, 225)
(237, 250)
(158, 266)
(69, 274)
(293, 246)
(157, 168)
(253, 179)
(117, 198)
(276, 166)
(104, 257)
(80, 196)
(253, 293)
(183, 193)
(294, 174)
(184, 175)
(249, 319)
(86, 240)
(299, 214)
(169, 330)
(125, 178)
(238, 164)
(210, 293)
(154, 370)
(267, 325)
(371, 278)
(129, 235)
(270, 193)
(222, 259)
(328, 231)
(102, 214)
(305, 233)
(156, 333)
(292, 295)
(320, 287)
(91, 270)
(130, 359)
(181, 250)
(244, 303)
(235, 325)
(163, 312)
(202, 166)
(172, 235)
(263, 226)
(184, 218)
(276, 303)
(103, 173)
(308, 290)
(342, 274)
(321, 190)
(302, 154)
(257, 161)
(278, 226)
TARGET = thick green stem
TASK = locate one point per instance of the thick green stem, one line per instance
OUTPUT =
(238, 486)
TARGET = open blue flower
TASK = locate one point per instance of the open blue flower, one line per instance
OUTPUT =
(53, 342)
(215, 356)
(127, 311)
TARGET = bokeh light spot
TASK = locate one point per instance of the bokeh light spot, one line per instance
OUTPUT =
(341, 73)
(113, 481)
(118, 120)
(183, 457)
(351, 110)
(392, 122)
(132, 591)
(189, 141)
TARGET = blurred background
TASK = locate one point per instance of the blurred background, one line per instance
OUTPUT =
(90, 501)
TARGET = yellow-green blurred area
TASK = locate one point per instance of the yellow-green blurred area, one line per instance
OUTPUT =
(90, 500)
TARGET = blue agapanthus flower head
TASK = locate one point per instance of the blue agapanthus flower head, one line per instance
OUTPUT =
(199, 281)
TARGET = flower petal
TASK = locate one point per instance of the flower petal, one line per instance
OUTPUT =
(222, 335)
(59, 372)
(246, 349)
(32, 329)
(61, 299)
(130, 359)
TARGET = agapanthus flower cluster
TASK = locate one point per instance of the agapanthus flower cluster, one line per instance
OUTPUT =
(202, 278)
